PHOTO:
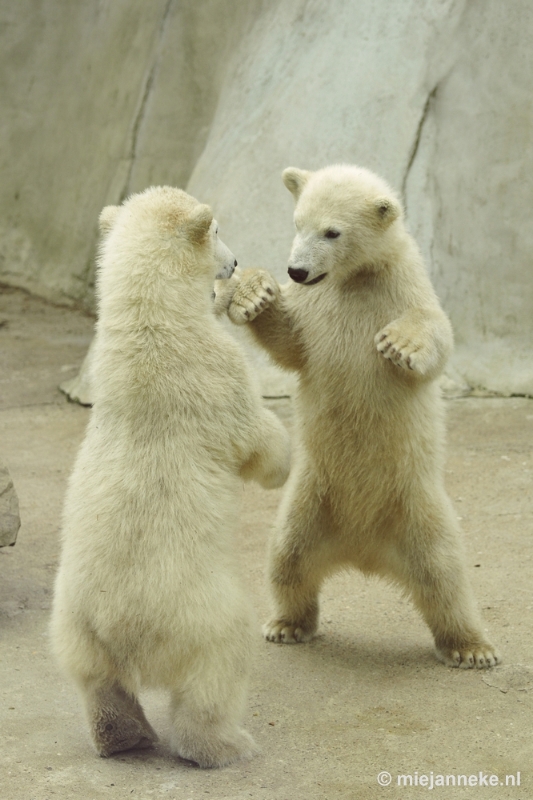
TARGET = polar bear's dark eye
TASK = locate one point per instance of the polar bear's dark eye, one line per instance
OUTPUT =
(331, 234)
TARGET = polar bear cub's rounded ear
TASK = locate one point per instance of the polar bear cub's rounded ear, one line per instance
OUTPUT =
(387, 209)
(199, 222)
(295, 180)
(107, 218)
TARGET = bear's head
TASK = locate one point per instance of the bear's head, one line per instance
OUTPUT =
(347, 220)
(165, 230)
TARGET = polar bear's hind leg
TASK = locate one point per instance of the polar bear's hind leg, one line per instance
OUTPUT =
(206, 711)
(435, 576)
(300, 559)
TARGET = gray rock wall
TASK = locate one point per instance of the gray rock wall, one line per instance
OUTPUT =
(73, 78)
(104, 98)
(470, 189)
(9, 509)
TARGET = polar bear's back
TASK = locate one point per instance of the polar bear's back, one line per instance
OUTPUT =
(153, 499)
(147, 551)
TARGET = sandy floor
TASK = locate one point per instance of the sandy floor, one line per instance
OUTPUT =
(367, 696)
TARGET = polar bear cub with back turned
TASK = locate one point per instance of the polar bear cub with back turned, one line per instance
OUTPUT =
(360, 323)
(148, 591)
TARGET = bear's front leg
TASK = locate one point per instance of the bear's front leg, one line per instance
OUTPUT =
(257, 289)
(260, 301)
(270, 461)
(420, 341)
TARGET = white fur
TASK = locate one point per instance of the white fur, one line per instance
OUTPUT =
(368, 340)
(148, 591)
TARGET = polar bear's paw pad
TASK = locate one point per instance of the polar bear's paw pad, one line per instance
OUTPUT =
(118, 722)
(286, 633)
(117, 735)
(470, 656)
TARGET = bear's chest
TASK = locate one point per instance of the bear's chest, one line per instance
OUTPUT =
(337, 328)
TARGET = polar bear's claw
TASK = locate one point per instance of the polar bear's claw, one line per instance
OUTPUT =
(256, 291)
(479, 656)
(403, 351)
(285, 633)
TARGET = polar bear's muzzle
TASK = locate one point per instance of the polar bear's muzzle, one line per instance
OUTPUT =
(226, 271)
(301, 275)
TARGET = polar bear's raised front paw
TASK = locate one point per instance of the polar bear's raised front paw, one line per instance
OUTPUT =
(256, 291)
(470, 656)
(281, 631)
(404, 349)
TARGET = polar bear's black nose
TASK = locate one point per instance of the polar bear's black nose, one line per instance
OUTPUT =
(298, 275)
(235, 263)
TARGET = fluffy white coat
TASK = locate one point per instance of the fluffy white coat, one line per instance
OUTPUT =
(361, 324)
(148, 592)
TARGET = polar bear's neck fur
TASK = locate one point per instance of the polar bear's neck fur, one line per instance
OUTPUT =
(151, 282)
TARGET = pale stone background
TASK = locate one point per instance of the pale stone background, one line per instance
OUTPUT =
(104, 97)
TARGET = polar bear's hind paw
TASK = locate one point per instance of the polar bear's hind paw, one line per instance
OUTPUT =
(286, 633)
(476, 656)
(214, 750)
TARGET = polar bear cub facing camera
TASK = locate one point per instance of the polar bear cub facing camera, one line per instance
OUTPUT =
(148, 591)
(360, 323)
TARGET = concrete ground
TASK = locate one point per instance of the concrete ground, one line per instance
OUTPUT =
(367, 696)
